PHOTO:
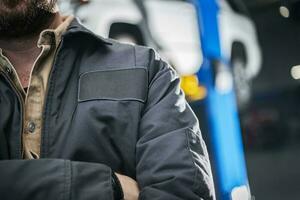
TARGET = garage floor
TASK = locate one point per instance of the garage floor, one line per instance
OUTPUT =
(275, 175)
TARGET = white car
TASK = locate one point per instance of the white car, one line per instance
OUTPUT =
(239, 44)
(170, 26)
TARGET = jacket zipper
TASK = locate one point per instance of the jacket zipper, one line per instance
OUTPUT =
(43, 153)
(21, 102)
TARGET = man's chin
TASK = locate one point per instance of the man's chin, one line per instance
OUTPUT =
(25, 20)
(23, 29)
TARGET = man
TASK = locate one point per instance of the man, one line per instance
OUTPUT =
(83, 117)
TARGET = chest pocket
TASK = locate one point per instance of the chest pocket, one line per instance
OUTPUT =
(117, 84)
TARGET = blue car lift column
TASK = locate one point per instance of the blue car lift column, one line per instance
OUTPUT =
(221, 111)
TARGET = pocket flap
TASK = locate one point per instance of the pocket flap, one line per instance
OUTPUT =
(119, 84)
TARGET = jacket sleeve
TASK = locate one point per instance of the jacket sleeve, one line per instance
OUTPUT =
(54, 179)
(172, 159)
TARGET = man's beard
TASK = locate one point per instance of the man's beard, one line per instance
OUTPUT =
(24, 18)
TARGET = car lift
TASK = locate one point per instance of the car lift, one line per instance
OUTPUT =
(224, 132)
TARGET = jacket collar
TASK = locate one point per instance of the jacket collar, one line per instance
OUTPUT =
(76, 27)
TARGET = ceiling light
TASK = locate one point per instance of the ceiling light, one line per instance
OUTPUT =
(295, 72)
(284, 11)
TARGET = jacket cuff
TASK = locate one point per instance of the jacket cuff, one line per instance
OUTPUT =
(90, 181)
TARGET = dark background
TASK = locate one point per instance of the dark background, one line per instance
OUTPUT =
(271, 121)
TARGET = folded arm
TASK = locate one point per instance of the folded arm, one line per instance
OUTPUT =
(172, 160)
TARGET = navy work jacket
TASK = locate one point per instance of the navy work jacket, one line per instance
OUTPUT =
(109, 107)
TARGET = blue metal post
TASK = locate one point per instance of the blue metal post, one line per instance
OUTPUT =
(221, 109)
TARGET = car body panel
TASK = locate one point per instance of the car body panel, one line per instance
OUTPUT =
(235, 27)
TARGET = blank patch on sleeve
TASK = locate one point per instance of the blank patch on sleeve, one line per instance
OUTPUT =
(120, 84)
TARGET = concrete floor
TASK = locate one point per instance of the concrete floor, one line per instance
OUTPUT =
(275, 175)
